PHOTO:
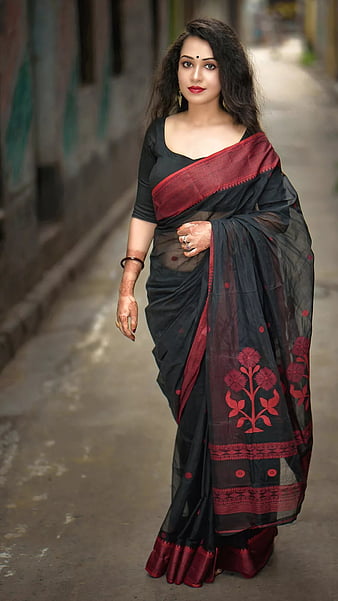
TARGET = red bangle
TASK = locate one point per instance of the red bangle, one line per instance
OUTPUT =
(123, 261)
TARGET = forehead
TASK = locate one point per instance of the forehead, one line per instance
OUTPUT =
(194, 46)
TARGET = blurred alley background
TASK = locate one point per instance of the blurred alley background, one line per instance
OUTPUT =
(83, 486)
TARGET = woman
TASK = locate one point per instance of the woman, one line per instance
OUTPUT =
(230, 305)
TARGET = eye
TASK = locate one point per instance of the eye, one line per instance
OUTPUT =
(186, 64)
(210, 66)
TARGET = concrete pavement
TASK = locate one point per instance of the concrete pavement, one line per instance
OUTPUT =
(86, 437)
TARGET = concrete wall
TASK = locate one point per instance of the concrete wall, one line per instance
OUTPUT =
(19, 252)
(69, 145)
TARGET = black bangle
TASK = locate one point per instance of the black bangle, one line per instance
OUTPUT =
(123, 261)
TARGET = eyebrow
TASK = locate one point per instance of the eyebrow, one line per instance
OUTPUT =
(192, 58)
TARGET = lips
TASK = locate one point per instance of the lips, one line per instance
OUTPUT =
(196, 89)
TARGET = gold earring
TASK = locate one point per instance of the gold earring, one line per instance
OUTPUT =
(224, 105)
(179, 98)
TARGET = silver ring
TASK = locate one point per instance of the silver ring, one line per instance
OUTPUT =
(187, 245)
(184, 239)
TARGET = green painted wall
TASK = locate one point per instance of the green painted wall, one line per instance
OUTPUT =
(20, 122)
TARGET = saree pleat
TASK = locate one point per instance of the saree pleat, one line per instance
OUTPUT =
(232, 330)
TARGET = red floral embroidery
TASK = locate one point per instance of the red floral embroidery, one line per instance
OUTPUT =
(295, 372)
(235, 380)
(302, 395)
(251, 373)
(301, 346)
(298, 371)
(249, 357)
(265, 378)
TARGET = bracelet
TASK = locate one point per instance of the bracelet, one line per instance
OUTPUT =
(123, 261)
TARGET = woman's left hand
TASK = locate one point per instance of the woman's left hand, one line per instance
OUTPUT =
(194, 237)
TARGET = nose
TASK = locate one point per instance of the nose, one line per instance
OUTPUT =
(196, 73)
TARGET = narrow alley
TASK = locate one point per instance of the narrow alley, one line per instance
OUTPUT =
(86, 436)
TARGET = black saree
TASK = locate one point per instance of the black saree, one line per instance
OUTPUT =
(232, 330)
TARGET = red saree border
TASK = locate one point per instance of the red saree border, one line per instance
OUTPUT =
(195, 566)
(267, 450)
(182, 564)
(198, 346)
(260, 500)
(261, 450)
(220, 171)
(248, 562)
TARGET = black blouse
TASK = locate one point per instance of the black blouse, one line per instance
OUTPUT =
(156, 163)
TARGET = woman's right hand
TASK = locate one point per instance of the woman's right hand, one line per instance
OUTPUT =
(127, 315)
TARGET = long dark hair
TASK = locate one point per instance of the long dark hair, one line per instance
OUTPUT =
(236, 74)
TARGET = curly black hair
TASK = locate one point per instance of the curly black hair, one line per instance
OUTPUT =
(236, 74)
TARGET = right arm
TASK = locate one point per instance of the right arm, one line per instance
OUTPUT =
(140, 236)
(141, 232)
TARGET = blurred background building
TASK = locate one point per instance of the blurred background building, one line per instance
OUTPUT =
(321, 32)
(75, 77)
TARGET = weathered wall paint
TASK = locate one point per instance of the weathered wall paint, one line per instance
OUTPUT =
(43, 36)
(16, 98)
(103, 68)
(67, 74)
(105, 97)
(70, 116)
(12, 46)
(20, 122)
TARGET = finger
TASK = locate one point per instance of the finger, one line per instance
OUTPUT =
(191, 253)
(125, 327)
(133, 320)
(186, 225)
(186, 244)
(183, 229)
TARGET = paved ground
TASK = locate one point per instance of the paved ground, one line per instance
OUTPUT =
(86, 437)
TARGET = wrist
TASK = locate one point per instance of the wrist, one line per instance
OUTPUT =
(128, 258)
(127, 287)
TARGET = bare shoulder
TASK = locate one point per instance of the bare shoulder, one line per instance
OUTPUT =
(177, 119)
(175, 126)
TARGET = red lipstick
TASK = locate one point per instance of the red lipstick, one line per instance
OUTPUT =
(196, 89)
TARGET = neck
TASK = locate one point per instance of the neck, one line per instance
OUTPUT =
(207, 114)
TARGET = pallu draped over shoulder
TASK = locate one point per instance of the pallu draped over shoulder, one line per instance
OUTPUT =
(232, 331)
